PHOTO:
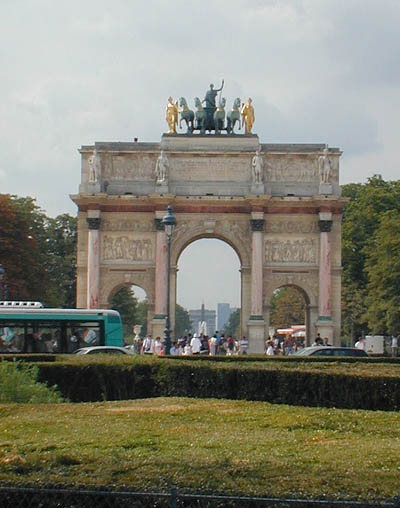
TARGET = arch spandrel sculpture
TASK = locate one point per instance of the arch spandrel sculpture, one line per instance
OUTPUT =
(277, 205)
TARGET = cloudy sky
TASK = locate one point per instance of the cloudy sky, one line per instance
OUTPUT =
(319, 71)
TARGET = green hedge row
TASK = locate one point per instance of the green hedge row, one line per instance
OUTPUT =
(122, 380)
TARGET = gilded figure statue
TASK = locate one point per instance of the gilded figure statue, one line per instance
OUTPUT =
(247, 116)
(171, 115)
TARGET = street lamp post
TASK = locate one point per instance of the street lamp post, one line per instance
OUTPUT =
(2, 285)
(169, 222)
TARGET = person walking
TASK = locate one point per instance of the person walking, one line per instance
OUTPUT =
(395, 346)
(243, 345)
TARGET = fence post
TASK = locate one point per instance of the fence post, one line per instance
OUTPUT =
(172, 502)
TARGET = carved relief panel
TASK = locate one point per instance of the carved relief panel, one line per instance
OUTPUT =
(126, 248)
(129, 166)
(296, 168)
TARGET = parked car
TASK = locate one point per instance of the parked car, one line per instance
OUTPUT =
(330, 351)
(93, 350)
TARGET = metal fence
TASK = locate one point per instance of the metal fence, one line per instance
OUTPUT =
(16, 497)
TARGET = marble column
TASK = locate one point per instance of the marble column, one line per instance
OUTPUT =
(257, 228)
(93, 264)
(161, 270)
(324, 302)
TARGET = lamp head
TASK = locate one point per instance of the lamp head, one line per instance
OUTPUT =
(169, 222)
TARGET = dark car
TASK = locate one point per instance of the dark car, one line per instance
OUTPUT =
(330, 351)
(93, 350)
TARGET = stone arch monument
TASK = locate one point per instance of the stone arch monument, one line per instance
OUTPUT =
(277, 205)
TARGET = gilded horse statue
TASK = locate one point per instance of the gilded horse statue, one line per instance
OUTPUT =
(200, 116)
(187, 115)
(219, 115)
(233, 116)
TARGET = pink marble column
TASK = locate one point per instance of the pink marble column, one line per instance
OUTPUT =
(257, 227)
(161, 270)
(325, 308)
(93, 265)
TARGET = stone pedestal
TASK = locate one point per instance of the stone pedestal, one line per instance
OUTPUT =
(256, 327)
(324, 327)
(162, 188)
(257, 188)
(325, 188)
(199, 142)
(158, 326)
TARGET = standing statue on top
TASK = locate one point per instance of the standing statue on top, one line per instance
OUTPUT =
(162, 167)
(248, 117)
(324, 166)
(257, 165)
(210, 107)
(171, 115)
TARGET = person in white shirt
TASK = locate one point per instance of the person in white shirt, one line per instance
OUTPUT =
(195, 345)
(158, 347)
(174, 350)
(243, 346)
(360, 344)
(148, 346)
(270, 348)
(395, 344)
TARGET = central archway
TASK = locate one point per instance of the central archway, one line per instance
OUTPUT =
(208, 274)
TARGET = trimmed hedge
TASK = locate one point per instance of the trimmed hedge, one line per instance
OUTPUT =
(133, 378)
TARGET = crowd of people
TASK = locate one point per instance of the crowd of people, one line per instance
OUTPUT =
(218, 344)
(196, 344)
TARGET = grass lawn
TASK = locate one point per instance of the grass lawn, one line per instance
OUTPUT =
(203, 445)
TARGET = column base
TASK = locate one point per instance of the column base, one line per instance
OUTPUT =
(324, 327)
(162, 188)
(158, 325)
(256, 327)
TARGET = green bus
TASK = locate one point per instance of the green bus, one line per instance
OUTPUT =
(39, 330)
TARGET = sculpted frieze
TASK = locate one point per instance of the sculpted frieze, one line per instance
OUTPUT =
(291, 226)
(126, 248)
(130, 167)
(302, 250)
(292, 169)
(212, 168)
(126, 225)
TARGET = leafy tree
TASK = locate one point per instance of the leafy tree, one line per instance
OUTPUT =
(361, 220)
(232, 327)
(61, 251)
(141, 316)
(125, 302)
(383, 269)
(182, 321)
(287, 307)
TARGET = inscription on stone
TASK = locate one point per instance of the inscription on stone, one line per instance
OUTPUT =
(291, 251)
(125, 225)
(126, 248)
(291, 226)
(210, 168)
(128, 167)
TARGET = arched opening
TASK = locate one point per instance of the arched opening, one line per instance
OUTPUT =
(289, 318)
(208, 288)
(132, 303)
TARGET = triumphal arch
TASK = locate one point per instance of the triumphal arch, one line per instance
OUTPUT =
(277, 205)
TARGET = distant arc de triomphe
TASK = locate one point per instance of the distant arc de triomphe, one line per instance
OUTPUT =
(284, 224)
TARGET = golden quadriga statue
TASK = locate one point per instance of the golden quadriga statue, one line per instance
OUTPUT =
(171, 115)
(247, 116)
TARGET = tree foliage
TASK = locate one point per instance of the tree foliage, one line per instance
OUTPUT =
(287, 308)
(367, 258)
(182, 322)
(232, 327)
(37, 252)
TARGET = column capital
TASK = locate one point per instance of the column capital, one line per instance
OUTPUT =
(257, 224)
(158, 224)
(325, 226)
(93, 222)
